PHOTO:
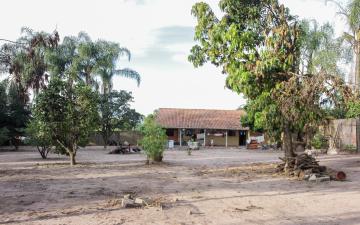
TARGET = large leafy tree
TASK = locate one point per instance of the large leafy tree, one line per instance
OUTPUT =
(258, 44)
(68, 112)
(116, 113)
(320, 51)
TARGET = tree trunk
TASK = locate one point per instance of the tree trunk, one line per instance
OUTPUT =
(87, 80)
(310, 63)
(47, 150)
(155, 158)
(287, 142)
(119, 138)
(42, 152)
(105, 139)
(72, 158)
(357, 70)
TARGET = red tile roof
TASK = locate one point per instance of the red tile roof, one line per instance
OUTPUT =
(200, 118)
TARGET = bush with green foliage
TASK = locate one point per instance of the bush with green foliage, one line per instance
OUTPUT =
(69, 113)
(353, 109)
(39, 135)
(154, 139)
(319, 141)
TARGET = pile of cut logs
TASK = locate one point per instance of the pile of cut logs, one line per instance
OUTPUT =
(306, 167)
(300, 164)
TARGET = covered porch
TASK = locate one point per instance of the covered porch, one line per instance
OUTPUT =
(208, 137)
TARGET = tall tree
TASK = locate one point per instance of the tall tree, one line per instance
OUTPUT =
(115, 113)
(258, 45)
(88, 57)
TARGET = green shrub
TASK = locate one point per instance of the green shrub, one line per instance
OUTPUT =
(154, 139)
(353, 109)
(39, 135)
(350, 148)
(319, 141)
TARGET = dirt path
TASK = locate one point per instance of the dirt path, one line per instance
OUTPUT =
(197, 189)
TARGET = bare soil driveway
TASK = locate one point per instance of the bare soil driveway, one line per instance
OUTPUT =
(212, 186)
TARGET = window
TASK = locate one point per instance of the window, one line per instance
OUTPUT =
(170, 132)
(232, 133)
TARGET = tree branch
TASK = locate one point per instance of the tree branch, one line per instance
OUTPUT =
(14, 42)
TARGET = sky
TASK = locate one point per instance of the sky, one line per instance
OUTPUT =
(159, 34)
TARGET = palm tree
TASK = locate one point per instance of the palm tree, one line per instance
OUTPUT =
(351, 12)
(88, 57)
(24, 60)
(108, 74)
(107, 65)
(107, 70)
(321, 51)
(313, 39)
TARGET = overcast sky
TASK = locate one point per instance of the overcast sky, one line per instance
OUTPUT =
(159, 33)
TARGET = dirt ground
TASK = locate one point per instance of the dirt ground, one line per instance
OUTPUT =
(214, 186)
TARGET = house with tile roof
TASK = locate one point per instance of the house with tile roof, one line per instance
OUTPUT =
(207, 126)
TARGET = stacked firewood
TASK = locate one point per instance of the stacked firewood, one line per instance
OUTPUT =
(306, 167)
(302, 166)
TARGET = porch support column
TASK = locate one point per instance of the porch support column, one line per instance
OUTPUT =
(204, 137)
(226, 139)
(180, 138)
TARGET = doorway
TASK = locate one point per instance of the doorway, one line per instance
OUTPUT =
(242, 138)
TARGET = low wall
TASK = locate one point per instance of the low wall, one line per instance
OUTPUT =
(132, 137)
(343, 132)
